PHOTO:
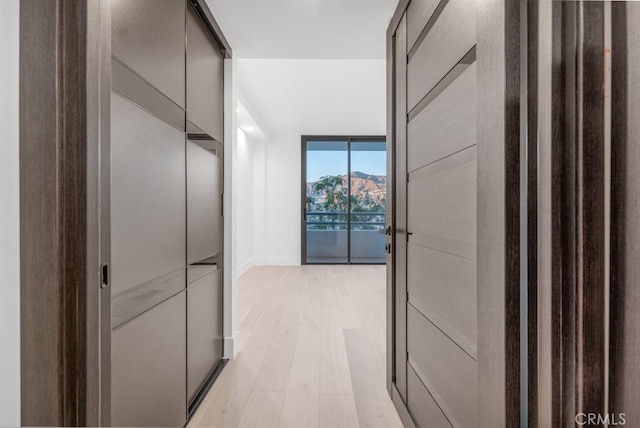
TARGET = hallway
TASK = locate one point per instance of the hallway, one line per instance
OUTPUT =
(312, 352)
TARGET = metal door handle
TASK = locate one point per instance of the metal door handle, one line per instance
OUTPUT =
(386, 231)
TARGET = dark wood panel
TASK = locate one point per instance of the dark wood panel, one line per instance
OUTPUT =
(400, 230)
(450, 38)
(447, 371)
(624, 380)
(498, 65)
(63, 116)
(418, 14)
(148, 200)
(590, 321)
(149, 368)
(149, 37)
(447, 125)
(205, 79)
(442, 205)
(443, 288)
(424, 409)
(531, 172)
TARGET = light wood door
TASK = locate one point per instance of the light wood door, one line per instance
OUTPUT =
(436, 190)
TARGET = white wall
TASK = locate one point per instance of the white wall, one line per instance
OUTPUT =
(259, 203)
(9, 217)
(306, 97)
(244, 249)
(250, 191)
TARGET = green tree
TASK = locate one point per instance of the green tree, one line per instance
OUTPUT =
(311, 203)
(334, 190)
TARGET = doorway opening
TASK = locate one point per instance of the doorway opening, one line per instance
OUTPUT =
(344, 195)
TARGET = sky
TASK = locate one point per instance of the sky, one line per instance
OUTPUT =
(322, 163)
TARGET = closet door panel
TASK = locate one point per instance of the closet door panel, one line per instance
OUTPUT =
(204, 187)
(204, 329)
(205, 79)
(148, 360)
(147, 197)
(148, 36)
(450, 38)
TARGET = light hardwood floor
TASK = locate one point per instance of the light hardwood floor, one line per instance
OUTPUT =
(312, 352)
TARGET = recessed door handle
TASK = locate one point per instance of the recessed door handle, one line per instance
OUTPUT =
(104, 276)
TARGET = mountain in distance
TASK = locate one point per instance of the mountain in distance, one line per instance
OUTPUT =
(363, 187)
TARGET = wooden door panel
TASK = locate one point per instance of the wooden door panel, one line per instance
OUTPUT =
(450, 38)
(441, 205)
(418, 14)
(444, 288)
(448, 372)
(445, 126)
(425, 410)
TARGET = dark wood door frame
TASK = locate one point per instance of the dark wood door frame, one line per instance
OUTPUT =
(64, 133)
(624, 344)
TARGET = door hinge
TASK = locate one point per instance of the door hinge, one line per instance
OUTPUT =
(104, 276)
(222, 204)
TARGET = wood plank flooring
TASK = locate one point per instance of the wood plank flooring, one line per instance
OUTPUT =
(312, 352)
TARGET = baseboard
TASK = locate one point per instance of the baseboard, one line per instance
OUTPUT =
(231, 346)
(282, 261)
(259, 261)
(245, 267)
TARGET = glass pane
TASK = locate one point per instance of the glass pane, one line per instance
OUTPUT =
(368, 201)
(326, 204)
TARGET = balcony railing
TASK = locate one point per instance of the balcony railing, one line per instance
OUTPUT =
(332, 238)
(338, 220)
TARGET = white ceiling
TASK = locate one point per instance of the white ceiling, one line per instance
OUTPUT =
(305, 29)
(319, 97)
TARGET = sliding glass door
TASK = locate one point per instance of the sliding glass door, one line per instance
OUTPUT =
(344, 186)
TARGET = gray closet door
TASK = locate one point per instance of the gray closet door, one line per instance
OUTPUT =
(204, 331)
(436, 194)
(147, 203)
(205, 79)
(148, 214)
(148, 37)
(205, 178)
(148, 386)
(204, 201)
